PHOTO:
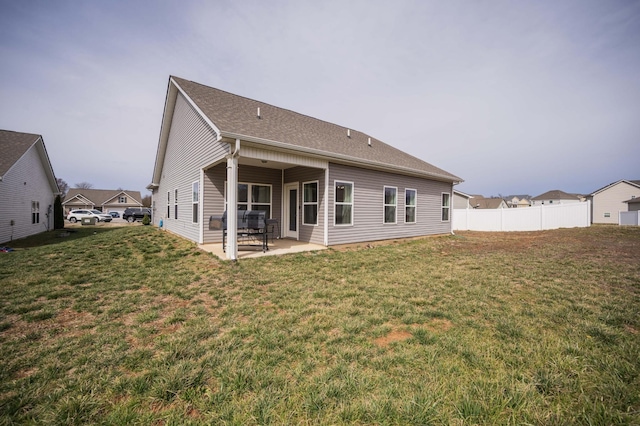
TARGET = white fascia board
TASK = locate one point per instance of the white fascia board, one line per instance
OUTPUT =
(604, 188)
(167, 117)
(80, 198)
(199, 111)
(340, 157)
(46, 164)
(125, 193)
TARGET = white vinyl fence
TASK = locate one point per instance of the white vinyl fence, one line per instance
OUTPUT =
(538, 218)
(629, 218)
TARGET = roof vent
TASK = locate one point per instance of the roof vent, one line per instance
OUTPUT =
(259, 112)
(349, 133)
(369, 142)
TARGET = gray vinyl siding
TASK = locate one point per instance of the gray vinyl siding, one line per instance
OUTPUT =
(191, 146)
(215, 179)
(213, 199)
(309, 233)
(368, 206)
(25, 182)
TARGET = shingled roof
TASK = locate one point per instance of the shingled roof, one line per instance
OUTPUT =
(13, 145)
(237, 117)
(555, 194)
(100, 196)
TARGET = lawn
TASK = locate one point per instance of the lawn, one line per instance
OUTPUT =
(135, 326)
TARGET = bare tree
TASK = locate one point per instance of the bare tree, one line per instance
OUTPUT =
(84, 185)
(62, 186)
(146, 201)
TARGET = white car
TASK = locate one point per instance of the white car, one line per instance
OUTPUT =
(77, 215)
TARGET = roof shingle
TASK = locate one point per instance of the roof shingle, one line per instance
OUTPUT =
(13, 145)
(238, 115)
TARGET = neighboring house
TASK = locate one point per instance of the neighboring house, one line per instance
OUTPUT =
(105, 200)
(555, 197)
(462, 200)
(324, 183)
(608, 201)
(488, 203)
(633, 205)
(28, 186)
(516, 201)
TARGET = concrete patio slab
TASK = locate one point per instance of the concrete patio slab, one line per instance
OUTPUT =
(276, 247)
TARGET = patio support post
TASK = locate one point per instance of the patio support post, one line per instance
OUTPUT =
(232, 203)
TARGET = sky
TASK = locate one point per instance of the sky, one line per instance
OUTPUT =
(514, 97)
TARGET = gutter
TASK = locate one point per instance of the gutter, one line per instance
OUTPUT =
(340, 157)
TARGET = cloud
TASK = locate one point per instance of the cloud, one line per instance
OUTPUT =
(514, 97)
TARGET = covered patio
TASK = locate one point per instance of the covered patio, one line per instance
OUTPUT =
(276, 247)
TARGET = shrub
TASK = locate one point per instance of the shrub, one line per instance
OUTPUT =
(58, 214)
(146, 220)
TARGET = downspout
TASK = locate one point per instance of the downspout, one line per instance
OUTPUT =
(232, 203)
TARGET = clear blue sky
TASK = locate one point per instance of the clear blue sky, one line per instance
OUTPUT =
(515, 97)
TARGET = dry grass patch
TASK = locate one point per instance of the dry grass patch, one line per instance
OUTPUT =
(476, 328)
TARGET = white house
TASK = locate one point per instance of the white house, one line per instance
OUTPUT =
(608, 201)
(27, 186)
(462, 200)
(554, 197)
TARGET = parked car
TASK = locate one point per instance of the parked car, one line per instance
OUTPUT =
(76, 215)
(133, 214)
(114, 215)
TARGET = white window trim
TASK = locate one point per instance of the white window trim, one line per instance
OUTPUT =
(196, 201)
(353, 202)
(385, 205)
(316, 203)
(442, 207)
(249, 203)
(168, 204)
(415, 206)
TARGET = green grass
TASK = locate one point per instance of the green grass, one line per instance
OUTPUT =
(135, 326)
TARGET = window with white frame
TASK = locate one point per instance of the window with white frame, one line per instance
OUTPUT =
(445, 206)
(390, 204)
(168, 204)
(175, 204)
(195, 201)
(35, 212)
(343, 213)
(310, 203)
(253, 196)
(410, 202)
(122, 199)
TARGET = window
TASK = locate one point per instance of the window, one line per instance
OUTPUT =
(261, 198)
(445, 207)
(195, 197)
(122, 199)
(310, 203)
(253, 196)
(168, 204)
(35, 212)
(607, 215)
(410, 205)
(343, 203)
(175, 205)
(390, 204)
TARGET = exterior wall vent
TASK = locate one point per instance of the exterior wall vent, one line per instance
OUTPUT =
(259, 112)
(369, 143)
(349, 133)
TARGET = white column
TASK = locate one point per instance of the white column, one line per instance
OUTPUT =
(232, 204)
